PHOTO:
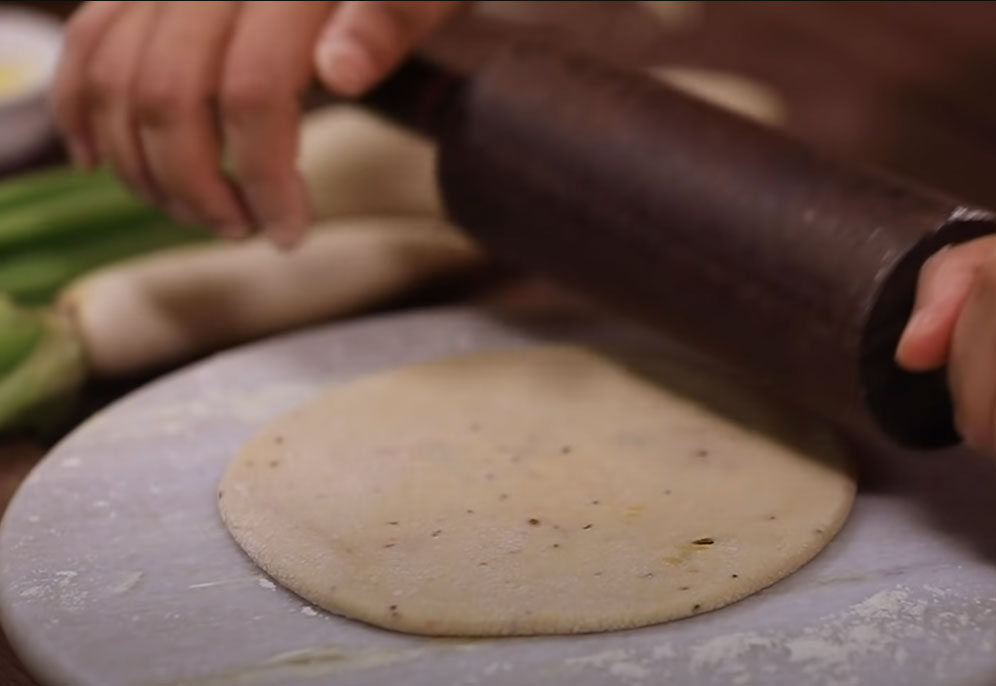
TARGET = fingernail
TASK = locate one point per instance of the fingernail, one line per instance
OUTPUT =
(345, 66)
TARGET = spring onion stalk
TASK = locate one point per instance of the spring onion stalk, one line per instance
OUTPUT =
(48, 184)
(46, 378)
(36, 275)
(21, 330)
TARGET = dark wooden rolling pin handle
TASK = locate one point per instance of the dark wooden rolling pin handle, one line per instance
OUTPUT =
(793, 269)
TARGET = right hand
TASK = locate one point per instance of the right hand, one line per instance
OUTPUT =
(163, 91)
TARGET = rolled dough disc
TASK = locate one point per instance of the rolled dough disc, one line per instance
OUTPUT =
(535, 490)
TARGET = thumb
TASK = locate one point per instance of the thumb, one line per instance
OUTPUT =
(364, 41)
(944, 284)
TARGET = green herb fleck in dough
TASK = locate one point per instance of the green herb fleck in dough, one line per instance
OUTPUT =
(534, 522)
(696, 607)
(279, 440)
(393, 523)
(734, 576)
(436, 533)
(388, 545)
(586, 526)
(565, 450)
(274, 464)
(703, 541)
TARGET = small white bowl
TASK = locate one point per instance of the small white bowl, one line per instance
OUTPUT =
(30, 43)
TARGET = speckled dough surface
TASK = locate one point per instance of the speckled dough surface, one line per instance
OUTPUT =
(548, 489)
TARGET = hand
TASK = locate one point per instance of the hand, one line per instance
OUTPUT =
(163, 92)
(954, 323)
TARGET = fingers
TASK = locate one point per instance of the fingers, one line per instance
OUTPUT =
(260, 91)
(163, 91)
(109, 84)
(174, 99)
(367, 40)
(972, 365)
(69, 105)
(945, 282)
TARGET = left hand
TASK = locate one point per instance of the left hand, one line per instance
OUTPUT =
(163, 92)
(954, 323)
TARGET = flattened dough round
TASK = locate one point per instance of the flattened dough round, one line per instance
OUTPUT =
(537, 490)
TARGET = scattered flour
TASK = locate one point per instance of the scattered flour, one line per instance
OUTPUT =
(721, 650)
(128, 582)
(835, 650)
(628, 670)
(267, 584)
(599, 660)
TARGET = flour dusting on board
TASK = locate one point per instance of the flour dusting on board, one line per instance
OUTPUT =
(182, 418)
(829, 652)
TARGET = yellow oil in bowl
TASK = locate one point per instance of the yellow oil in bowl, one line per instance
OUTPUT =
(14, 77)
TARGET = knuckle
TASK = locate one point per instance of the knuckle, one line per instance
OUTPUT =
(158, 106)
(246, 94)
(105, 84)
(252, 173)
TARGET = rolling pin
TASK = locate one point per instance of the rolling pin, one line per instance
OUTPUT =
(796, 270)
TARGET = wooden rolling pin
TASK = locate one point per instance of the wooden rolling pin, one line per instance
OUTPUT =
(796, 270)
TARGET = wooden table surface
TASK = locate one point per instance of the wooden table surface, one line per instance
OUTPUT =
(906, 86)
